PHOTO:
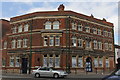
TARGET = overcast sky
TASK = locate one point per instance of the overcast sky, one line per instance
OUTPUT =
(100, 10)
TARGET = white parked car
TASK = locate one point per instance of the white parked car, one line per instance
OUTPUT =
(49, 72)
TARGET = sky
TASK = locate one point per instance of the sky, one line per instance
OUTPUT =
(100, 10)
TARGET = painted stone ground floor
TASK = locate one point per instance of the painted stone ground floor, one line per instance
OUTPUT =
(74, 62)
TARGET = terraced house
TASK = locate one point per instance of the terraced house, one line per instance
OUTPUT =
(62, 39)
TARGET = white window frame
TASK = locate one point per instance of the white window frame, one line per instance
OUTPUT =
(19, 42)
(26, 26)
(58, 62)
(57, 41)
(5, 45)
(106, 46)
(13, 44)
(74, 61)
(14, 30)
(74, 26)
(51, 60)
(94, 30)
(48, 25)
(11, 64)
(56, 25)
(80, 42)
(96, 62)
(74, 41)
(101, 62)
(25, 41)
(99, 31)
(80, 61)
(100, 45)
(107, 64)
(80, 28)
(45, 41)
(20, 29)
(88, 44)
(87, 29)
(45, 60)
(95, 44)
(17, 61)
(51, 41)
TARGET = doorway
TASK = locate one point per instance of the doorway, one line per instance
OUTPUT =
(88, 64)
(24, 65)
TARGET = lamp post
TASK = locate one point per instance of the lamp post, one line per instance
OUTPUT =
(68, 45)
(30, 55)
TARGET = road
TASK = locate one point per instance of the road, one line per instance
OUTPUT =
(69, 77)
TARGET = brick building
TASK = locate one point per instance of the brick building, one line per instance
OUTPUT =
(62, 39)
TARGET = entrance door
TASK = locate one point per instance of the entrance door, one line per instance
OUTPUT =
(24, 65)
(88, 64)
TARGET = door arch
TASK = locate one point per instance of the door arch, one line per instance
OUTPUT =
(88, 64)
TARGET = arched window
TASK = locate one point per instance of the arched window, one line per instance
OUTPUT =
(48, 25)
(56, 25)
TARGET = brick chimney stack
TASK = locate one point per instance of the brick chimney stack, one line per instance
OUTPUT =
(61, 7)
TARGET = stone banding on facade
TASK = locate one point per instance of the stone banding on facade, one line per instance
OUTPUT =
(68, 46)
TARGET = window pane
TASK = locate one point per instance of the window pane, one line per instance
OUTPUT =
(51, 41)
(55, 25)
(45, 62)
(51, 62)
(100, 62)
(80, 62)
(57, 41)
(74, 64)
(96, 62)
(26, 27)
(20, 29)
(45, 41)
(11, 61)
(57, 62)
(48, 25)
(107, 62)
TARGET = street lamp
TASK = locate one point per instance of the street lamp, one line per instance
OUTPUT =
(30, 55)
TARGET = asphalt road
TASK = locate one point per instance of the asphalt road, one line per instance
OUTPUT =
(69, 77)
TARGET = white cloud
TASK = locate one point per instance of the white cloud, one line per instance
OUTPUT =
(6, 18)
(60, 0)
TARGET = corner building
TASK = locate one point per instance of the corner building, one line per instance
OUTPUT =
(62, 39)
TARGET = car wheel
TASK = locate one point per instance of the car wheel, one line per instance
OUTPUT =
(56, 75)
(37, 75)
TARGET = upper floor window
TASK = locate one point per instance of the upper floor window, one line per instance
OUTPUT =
(26, 27)
(105, 33)
(48, 25)
(56, 25)
(106, 46)
(25, 42)
(80, 28)
(110, 47)
(13, 43)
(80, 42)
(45, 41)
(107, 62)
(74, 41)
(95, 44)
(87, 29)
(20, 28)
(17, 61)
(74, 26)
(19, 43)
(94, 30)
(51, 41)
(14, 30)
(5, 45)
(110, 34)
(88, 44)
(57, 41)
(11, 61)
(100, 45)
(99, 32)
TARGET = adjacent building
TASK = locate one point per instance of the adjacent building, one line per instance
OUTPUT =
(62, 39)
